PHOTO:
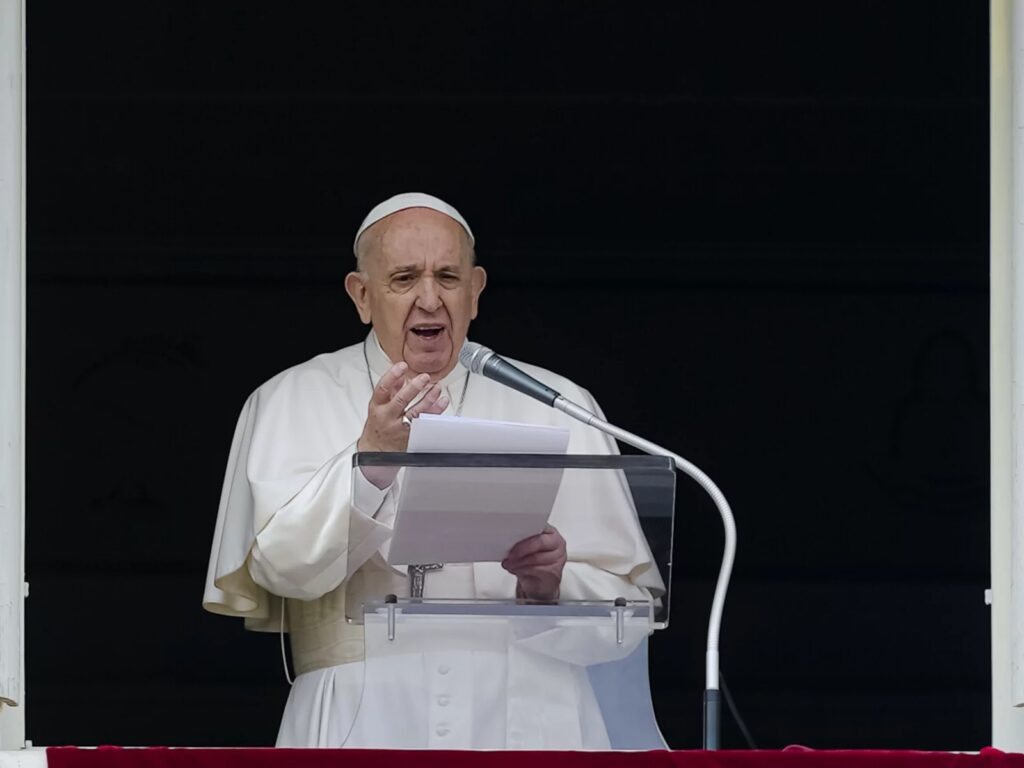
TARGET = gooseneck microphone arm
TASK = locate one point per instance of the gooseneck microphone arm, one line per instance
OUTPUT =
(482, 360)
(712, 703)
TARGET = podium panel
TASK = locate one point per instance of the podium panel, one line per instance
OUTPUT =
(503, 675)
(615, 512)
(453, 660)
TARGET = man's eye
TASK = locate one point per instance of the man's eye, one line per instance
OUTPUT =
(402, 279)
(448, 280)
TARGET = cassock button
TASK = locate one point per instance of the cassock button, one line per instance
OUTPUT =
(444, 669)
(443, 730)
(442, 700)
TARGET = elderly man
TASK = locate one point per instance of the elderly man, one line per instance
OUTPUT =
(300, 538)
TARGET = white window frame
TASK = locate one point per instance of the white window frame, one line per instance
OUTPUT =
(12, 374)
(1006, 339)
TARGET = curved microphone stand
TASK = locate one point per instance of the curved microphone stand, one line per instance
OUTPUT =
(479, 359)
(712, 702)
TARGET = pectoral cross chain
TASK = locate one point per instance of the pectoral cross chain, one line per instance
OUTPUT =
(418, 576)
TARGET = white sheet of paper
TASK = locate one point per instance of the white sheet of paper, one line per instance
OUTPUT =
(465, 515)
(458, 434)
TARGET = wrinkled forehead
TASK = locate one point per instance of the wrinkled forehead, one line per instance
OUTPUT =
(416, 236)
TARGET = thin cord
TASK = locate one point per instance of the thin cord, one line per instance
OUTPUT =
(284, 656)
(362, 690)
(736, 713)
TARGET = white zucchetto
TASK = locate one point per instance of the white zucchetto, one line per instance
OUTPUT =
(410, 200)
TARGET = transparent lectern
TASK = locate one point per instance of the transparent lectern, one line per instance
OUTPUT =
(454, 660)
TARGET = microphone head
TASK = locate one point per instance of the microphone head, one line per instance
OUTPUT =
(473, 356)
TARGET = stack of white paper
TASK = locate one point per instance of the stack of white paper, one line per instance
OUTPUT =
(466, 515)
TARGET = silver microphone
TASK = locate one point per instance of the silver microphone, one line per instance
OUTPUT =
(480, 359)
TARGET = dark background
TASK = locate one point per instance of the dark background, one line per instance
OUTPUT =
(756, 231)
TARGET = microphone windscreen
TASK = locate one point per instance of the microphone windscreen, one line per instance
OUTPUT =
(473, 356)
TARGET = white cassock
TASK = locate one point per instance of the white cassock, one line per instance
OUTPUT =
(288, 533)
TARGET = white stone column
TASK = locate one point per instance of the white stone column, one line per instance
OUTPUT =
(1007, 370)
(12, 373)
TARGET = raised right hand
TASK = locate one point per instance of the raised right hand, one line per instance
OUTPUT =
(384, 429)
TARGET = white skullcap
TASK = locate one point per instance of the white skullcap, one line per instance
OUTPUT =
(409, 200)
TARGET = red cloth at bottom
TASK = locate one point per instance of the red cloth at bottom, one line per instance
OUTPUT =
(162, 757)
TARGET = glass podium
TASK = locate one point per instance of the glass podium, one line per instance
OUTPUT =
(457, 661)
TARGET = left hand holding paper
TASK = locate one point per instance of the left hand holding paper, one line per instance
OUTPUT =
(537, 563)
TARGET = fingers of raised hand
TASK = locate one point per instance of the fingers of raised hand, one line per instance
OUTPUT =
(439, 406)
(384, 429)
(432, 402)
(385, 388)
(408, 393)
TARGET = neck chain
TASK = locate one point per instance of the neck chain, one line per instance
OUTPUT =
(369, 376)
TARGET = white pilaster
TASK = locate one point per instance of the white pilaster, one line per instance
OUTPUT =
(12, 371)
(1007, 370)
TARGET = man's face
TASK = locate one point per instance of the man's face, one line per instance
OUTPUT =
(418, 287)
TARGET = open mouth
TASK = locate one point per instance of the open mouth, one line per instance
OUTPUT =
(428, 331)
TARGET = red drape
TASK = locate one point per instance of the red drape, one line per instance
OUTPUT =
(156, 757)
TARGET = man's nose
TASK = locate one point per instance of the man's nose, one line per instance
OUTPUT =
(428, 298)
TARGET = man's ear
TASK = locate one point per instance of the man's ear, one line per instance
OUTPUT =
(355, 287)
(478, 280)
